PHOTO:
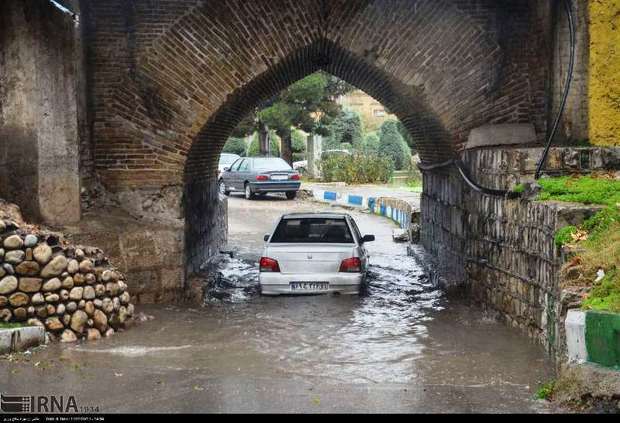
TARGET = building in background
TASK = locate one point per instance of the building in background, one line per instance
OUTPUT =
(372, 113)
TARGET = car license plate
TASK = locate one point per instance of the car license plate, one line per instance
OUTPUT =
(309, 286)
(279, 177)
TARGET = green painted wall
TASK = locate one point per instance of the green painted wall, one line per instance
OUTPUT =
(603, 338)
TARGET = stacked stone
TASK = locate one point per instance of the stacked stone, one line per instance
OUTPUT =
(74, 293)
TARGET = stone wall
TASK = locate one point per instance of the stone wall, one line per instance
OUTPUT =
(502, 251)
(39, 85)
(72, 291)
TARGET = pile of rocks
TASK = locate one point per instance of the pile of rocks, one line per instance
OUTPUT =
(73, 292)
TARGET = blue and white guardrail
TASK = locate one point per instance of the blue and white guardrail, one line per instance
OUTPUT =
(398, 210)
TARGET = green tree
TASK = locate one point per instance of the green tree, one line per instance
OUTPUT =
(371, 143)
(392, 145)
(235, 146)
(345, 129)
(254, 147)
(309, 104)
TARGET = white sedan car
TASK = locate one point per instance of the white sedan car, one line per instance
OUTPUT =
(314, 253)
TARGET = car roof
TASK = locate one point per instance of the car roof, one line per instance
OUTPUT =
(309, 215)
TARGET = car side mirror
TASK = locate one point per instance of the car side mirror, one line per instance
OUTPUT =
(266, 237)
(368, 238)
(226, 169)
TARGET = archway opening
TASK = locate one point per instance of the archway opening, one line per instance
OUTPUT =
(205, 212)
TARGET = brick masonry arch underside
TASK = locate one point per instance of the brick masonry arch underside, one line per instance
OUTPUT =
(169, 80)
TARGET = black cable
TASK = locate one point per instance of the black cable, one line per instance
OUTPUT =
(569, 78)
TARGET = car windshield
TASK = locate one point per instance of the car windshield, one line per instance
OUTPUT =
(313, 230)
(227, 159)
(270, 163)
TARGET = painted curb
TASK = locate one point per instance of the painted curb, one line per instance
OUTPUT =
(376, 205)
(575, 326)
(594, 337)
(20, 339)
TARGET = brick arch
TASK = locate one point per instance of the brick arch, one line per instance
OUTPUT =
(170, 82)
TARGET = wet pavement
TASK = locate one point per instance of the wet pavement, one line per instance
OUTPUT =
(399, 347)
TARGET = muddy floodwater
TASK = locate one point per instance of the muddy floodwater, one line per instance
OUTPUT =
(401, 346)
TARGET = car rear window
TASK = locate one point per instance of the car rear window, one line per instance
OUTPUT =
(313, 230)
(270, 164)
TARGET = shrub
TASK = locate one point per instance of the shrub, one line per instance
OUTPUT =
(371, 143)
(235, 146)
(564, 236)
(393, 146)
(253, 149)
(357, 168)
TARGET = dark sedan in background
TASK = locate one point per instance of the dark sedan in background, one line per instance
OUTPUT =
(260, 175)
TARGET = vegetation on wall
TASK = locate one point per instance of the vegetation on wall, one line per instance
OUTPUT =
(595, 245)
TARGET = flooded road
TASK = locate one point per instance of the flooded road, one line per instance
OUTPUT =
(399, 347)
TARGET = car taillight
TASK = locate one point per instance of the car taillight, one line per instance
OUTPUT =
(295, 177)
(262, 177)
(267, 264)
(351, 265)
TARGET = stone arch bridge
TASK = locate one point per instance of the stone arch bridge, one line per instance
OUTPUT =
(135, 98)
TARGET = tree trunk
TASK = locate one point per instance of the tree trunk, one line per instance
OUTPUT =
(263, 140)
(286, 150)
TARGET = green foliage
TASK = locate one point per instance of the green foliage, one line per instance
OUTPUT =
(356, 168)
(346, 128)
(600, 250)
(235, 146)
(298, 142)
(254, 148)
(520, 188)
(546, 390)
(585, 189)
(605, 295)
(12, 325)
(564, 235)
(393, 146)
(370, 144)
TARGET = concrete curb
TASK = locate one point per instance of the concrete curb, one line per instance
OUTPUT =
(396, 209)
(594, 337)
(20, 339)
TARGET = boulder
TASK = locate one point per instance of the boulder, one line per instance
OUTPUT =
(54, 267)
(42, 254)
(78, 321)
(30, 284)
(100, 320)
(8, 284)
(53, 284)
(54, 324)
(28, 268)
(13, 242)
(14, 257)
(19, 299)
(68, 336)
(76, 293)
(93, 334)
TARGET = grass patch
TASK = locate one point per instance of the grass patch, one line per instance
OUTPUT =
(585, 189)
(4, 325)
(596, 242)
(545, 391)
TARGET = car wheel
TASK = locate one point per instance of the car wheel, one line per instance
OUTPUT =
(291, 194)
(249, 195)
(222, 187)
